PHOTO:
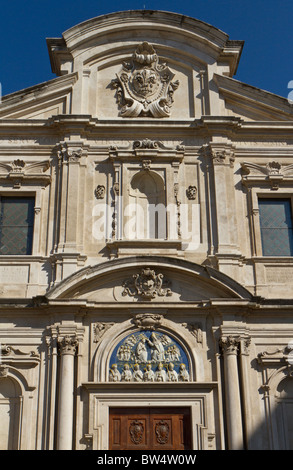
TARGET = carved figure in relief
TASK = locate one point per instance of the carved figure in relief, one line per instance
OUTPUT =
(145, 87)
(160, 375)
(141, 353)
(114, 375)
(172, 374)
(158, 352)
(126, 374)
(137, 374)
(172, 354)
(124, 353)
(149, 375)
(183, 374)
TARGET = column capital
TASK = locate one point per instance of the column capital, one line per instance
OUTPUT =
(230, 344)
(67, 345)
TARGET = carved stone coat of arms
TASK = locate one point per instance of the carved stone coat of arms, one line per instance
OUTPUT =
(144, 86)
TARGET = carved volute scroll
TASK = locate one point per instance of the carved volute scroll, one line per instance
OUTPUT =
(144, 86)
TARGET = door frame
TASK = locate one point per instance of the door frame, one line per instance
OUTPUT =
(199, 398)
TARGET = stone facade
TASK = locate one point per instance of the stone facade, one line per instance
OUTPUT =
(146, 284)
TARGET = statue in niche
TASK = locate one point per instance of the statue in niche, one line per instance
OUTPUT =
(145, 87)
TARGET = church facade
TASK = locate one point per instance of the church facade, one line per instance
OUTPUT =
(146, 246)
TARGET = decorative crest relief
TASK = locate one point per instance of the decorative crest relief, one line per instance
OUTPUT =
(136, 431)
(145, 87)
(162, 432)
(147, 285)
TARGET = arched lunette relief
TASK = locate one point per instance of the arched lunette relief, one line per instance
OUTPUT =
(148, 356)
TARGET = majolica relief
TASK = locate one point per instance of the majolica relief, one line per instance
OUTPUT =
(144, 86)
(148, 356)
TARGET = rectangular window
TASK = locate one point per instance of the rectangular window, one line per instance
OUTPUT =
(276, 227)
(16, 225)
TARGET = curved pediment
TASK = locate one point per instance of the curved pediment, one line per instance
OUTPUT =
(192, 33)
(142, 63)
(148, 279)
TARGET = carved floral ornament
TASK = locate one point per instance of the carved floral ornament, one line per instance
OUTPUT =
(144, 86)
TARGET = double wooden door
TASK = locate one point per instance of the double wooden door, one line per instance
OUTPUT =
(149, 429)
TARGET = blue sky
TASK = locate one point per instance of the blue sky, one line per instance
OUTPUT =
(265, 26)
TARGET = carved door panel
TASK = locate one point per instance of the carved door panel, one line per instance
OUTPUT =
(149, 429)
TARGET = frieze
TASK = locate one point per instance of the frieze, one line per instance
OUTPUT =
(148, 356)
(145, 87)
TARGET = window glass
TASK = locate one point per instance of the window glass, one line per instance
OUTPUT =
(16, 225)
(276, 227)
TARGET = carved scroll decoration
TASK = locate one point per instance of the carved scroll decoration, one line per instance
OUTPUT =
(136, 430)
(147, 284)
(162, 432)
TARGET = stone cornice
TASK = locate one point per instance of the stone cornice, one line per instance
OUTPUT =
(232, 127)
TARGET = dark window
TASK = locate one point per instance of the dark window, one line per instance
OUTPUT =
(16, 225)
(276, 227)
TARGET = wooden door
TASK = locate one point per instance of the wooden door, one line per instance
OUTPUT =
(149, 429)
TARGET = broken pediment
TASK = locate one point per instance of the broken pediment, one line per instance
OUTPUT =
(251, 103)
(40, 101)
